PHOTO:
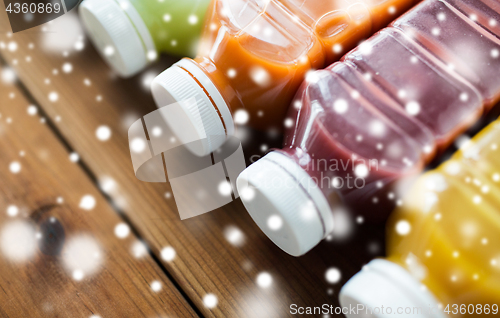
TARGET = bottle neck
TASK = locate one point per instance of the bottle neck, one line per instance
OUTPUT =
(212, 90)
(285, 203)
(309, 184)
(384, 289)
(199, 112)
(123, 40)
(220, 80)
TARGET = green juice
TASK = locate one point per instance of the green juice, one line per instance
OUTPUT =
(175, 25)
(130, 34)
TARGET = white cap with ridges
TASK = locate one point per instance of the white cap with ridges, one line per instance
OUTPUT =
(384, 283)
(286, 203)
(119, 34)
(202, 125)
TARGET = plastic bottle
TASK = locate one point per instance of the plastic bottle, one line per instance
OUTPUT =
(254, 56)
(364, 126)
(130, 34)
(442, 243)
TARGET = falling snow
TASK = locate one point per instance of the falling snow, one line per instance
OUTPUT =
(340, 106)
(234, 236)
(67, 68)
(107, 184)
(53, 96)
(87, 202)
(333, 275)
(32, 110)
(241, 117)
(264, 280)
(225, 188)
(152, 55)
(275, 222)
(168, 254)
(377, 128)
(260, 76)
(193, 19)
(138, 145)
(74, 157)
(103, 133)
(156, 286)
(12, 46)
(18, 241)
(15, 167)
(109, 50)
(288, 123)
(361, 171)
(403, 227)
(82, 256)
(12, 210)
(247, 194)
(337, 48)
(365, 48)
(210, 301)
(122, 230)
(8, 75)
(413, 108)
(231, 73)
(495, 53)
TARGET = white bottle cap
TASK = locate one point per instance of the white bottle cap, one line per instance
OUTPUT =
(384, 283)
(207, 119)
(286, 203)
(119, 34)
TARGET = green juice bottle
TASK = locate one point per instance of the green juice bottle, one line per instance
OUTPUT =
(130, 34)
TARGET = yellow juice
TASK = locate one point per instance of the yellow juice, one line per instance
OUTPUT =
(445, 238)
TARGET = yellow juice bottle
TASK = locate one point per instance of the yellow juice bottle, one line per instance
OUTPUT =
(443, 243)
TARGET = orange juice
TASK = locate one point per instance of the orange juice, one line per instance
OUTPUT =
(443, 242)
(255, 54)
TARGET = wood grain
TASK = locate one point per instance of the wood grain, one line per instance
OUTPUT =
(206, 262)
(39, 275)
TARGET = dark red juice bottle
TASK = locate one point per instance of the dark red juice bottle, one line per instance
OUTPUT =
(361, 128)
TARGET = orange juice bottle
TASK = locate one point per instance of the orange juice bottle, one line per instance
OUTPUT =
(443, 243)
(255, 54)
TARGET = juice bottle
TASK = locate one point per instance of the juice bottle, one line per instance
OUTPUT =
(442, 243)
(363, 127)
(254, 56)
(129, 34)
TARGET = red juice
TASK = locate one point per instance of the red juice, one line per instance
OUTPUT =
(363, 126)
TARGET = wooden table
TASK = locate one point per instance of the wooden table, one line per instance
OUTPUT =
(76, 196)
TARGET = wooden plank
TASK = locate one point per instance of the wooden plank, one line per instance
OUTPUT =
(205, 262)
(78, 267)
